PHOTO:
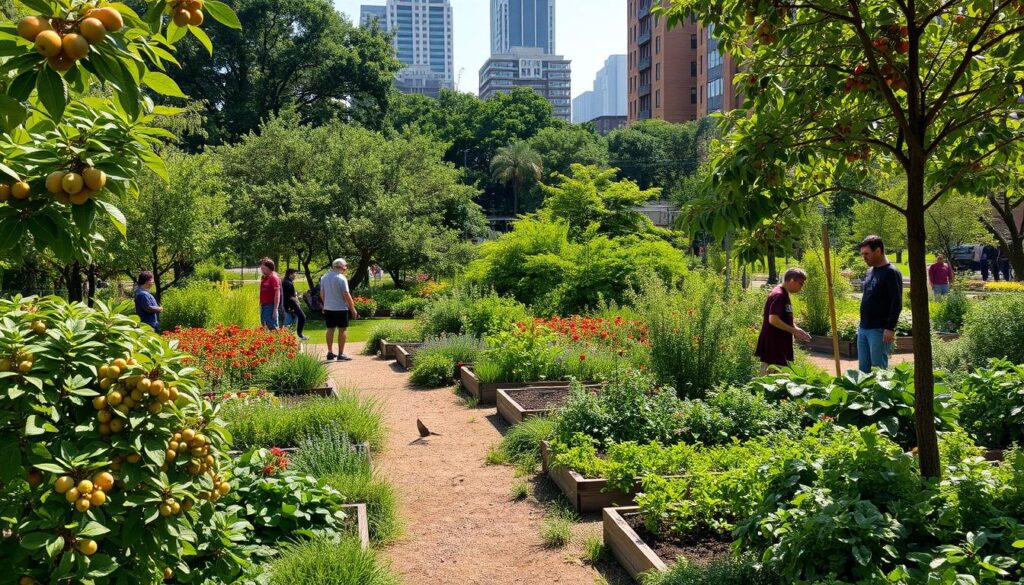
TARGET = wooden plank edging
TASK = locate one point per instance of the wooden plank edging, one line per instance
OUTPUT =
(626, 545)
(362, 523)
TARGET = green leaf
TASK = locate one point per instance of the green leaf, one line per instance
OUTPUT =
(93, 529)
(84, 215)
(54, 546)
(1018, 544)
(34, 425)
(40, 6)
(162, 84)
(9, 172)
(10, 464)
(204, 39)
(223, 14)
(101, 566)
(52, 92)
(22, 85)
(155, 163)
(115, 216)
(36, 540)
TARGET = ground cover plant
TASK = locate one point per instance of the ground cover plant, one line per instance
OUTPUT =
(437, 359)
(389, 332)
(992, 404)
(322, 561)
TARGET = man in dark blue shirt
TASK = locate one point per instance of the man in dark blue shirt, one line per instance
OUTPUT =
(880, 306)
(145, 303)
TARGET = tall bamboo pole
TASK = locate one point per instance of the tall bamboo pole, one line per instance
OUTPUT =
(831, 296)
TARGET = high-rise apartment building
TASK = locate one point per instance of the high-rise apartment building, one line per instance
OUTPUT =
(608, 98)
(675, 74)
(423, 42)
(522, 23)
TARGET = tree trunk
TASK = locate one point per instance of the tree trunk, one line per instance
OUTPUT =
(157, 282)
(396, 277)
(924, 376)
(74, 280)
(92, 283)
(362, 266)
(773, 270)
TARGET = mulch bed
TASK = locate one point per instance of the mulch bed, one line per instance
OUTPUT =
(540, 398)
(699, 549)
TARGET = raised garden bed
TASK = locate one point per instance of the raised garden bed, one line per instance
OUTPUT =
(363, 448)
(387, 349)
(328, 391)
(823, 343)
(639, 552)
(584, 495)
(518, 404)
(362, 522)
(487, 392)
(405, 353)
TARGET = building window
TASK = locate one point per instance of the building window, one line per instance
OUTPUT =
(657, 98)
(693, 41)
(693, 95)
(657, 72)
(657, 45)
(693, 69)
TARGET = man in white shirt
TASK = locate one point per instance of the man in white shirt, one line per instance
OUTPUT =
(338, 307)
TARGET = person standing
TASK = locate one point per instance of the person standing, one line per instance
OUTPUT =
(880, 306)
(1003, 263)
(146, 306)
(292, 308)
(988, 262)
(338, 307)
(775, 342)
(270, 294)
(940, 275)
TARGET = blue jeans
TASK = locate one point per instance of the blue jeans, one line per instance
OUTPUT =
(872, 352)
(268, 316)
(940, 289)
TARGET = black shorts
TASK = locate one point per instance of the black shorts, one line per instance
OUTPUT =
(336, 319)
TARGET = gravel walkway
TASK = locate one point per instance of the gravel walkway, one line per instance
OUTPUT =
(460, 525)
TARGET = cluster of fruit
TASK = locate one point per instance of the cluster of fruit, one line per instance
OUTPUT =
(189, 443)
(765, 33)
(172, 507)
(893, 36)
(85, 493)
(220, 488)
(135, 392)
(187, 12)
(18, 190)
(862, 153)
(76, 188)
(21, 361)
(65, 41)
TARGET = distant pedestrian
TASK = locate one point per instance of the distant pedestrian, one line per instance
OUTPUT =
(1003, 264)
(977, 259)
(880, 306)
(989, 257)
(146, 306)
(940, 275)
(775, 342)
(338, 307)
(270, 294)
(292, 308)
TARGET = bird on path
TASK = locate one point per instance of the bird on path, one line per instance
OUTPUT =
(424, 431)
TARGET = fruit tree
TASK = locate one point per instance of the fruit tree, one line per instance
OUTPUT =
(920, 90)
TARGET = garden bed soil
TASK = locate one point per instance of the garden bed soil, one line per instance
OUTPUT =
(518, 404)
(584, 495)
(405, 353)
(362, 522)
(848, 349)
(487, 392)
(639, 551)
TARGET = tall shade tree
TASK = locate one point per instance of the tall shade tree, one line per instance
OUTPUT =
(923, 90)
(519, 166)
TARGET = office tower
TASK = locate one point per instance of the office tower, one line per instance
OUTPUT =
(548, 75)
(609, 95)
(522, 23)
(423, 42)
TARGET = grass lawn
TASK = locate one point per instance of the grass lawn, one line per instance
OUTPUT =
(358, 330)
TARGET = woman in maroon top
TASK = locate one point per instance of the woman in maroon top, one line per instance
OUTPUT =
(775, 343)
(270, 294)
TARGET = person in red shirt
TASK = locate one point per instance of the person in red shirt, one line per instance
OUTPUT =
(940, 275)
(775, 342)
(270, 294)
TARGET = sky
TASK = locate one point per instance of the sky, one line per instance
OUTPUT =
(587, 32)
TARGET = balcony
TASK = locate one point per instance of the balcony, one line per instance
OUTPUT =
(644, 89)
(644, 9)
(644, 37)
(643, 64)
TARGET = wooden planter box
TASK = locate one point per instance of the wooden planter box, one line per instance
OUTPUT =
(823, 343)
(584, 495)
(328, 391)
(387, 349)
(363, 448)
(405, 352)
(362, 522)
(487, 393)
(626, 545)
(513, 412)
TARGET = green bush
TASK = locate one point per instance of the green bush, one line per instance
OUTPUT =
(328, 451)
(994, 329)
(492, 313)
(738, 413)
(326, 562)
(265, 425)
(211, 272)
(521, 444)
(724, 571)
(408, 308)
(387, 298)
(432, 371)
(701, 336)
(379, 497)
(533, 353)
(814, 298)
(441, 316)
(992, 407)
(237, 306)
(389, 332)
(951, 312)
(194, 305)
(284, 376)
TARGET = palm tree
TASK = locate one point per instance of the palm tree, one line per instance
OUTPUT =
(519, 165)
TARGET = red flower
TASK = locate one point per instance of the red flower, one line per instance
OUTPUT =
(583, 356)
(276, 452)
(269, 470)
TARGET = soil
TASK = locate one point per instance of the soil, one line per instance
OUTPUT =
(460, 524)
(539, 398)
(700, 549)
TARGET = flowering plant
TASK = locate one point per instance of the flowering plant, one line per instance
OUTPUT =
(229, 356)
(616, 333)
(246, 397)
(428, 288)
(365, 306)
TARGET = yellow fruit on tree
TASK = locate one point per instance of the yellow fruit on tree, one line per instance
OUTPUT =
(195, 18)
(181, 17)
(38, 327)
(120, 364)
(20, 190)
(137, 395)
(134, 458)
(99, 403)
(53, 181)
(155, 408)
(92, 29)
(173, 392)
(87, 547)
(165, 510)
(5, 191)
(85, 486)
(116, 425)
(103, 371)
(106, 383)
(114, 398)
(103, 480)
(130, 402)
(186, 505)
(63, 198)
(104, 429)
(25, 367)
(30, 27)
(224, 488)
(63, 484)
(175, 508)
(72, 183)
(95, 179)
(83, 504)
(61, 63)
(188, 435)
(71, 495)
(104, 416)
(74, 46)
(26, 580)
(97, 498)
(110, 17)
(80, 198)
(48, 43)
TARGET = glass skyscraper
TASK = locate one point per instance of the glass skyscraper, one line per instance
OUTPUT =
(522, 23)
(423, 42)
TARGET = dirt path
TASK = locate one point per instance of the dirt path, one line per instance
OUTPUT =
(460, 525)
(827, 362)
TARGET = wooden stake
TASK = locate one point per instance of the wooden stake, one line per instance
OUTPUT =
(831, 297)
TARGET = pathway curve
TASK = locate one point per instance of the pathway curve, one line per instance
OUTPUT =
(460, 525)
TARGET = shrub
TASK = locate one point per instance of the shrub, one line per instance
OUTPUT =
(265, 425)
(211, 272)
(737, 414)
(432, 371)
(408, 308)
(725, 571)
(521, 444)
(327, 451)
(952, 311)
(366, 307)
(436, 360)
(325, 562)
(992, 407)
(994, 329)
(700, 337)
(492, 313)
(286, 375)
(814, 296)
(379, 497)
(389, 332)
(630, 407)
(441, 316)
(387, 298)
(61, 367)
(193, 305)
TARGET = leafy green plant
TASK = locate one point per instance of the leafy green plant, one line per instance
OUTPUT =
(387, 298)
(725, 571)
(519, 356)
(409, 307)
(379, 497)
(193, 305)
(432, 371)
(327, 451)
(491, 313)
(323, 561)
(738, 413)
(952, 311)
(211, 272)
(992, 406)
(594, 550)
(389, 332)
(814, 298)
(521, 445)
(556, 528)
(994, 329)
(441, 316)
(288, 375)
(237, 306)
(437, 359)
(286, 425)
